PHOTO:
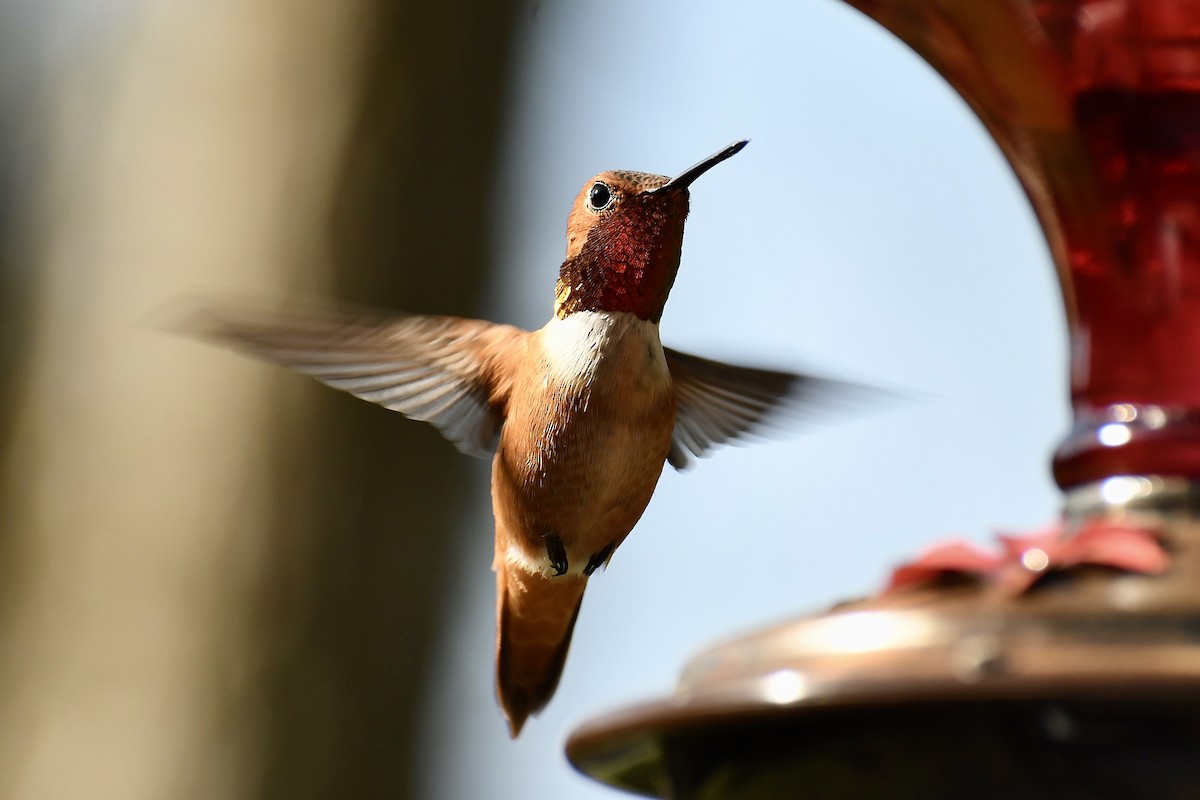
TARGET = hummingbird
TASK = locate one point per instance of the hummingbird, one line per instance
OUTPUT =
(579, 417)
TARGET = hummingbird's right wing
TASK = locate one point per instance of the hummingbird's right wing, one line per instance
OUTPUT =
(434, 369)
(717, 403)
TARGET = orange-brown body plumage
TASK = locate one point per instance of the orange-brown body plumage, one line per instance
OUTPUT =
(589, 427)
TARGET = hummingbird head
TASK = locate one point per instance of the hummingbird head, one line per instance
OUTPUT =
(624, 237)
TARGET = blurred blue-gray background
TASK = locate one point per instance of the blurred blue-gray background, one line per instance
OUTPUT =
(219, 580)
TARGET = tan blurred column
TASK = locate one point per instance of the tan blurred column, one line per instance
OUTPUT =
(215, 580)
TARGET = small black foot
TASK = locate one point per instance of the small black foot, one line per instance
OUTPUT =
(556, 552)
(598, 560)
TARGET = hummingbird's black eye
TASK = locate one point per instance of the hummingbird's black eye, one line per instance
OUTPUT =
(600, 196)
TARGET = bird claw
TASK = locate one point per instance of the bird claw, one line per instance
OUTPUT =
(598, 560)
(556, 552)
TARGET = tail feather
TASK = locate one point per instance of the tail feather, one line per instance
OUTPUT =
(535, 617)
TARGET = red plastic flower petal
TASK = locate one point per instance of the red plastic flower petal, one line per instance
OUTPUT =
(1025, 559)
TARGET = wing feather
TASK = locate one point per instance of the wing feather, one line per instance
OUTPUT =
(717, 403)
(436, 369)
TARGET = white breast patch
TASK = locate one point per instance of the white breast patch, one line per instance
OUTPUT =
(574, 347)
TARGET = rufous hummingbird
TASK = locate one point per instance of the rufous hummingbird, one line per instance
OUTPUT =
(578, 417)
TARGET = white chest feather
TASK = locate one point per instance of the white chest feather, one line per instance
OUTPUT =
(588, 344)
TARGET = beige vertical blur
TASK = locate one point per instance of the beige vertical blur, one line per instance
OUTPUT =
(168, 173)
(203, 149)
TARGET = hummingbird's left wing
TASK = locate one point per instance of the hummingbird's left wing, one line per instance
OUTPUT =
(716, 403)
(435, 369)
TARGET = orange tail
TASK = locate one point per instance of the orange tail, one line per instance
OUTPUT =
(534, 619)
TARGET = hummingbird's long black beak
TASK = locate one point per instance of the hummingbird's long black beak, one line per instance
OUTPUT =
(684, 179)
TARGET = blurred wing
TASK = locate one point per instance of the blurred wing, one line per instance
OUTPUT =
(439, 370)
(718, 403)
